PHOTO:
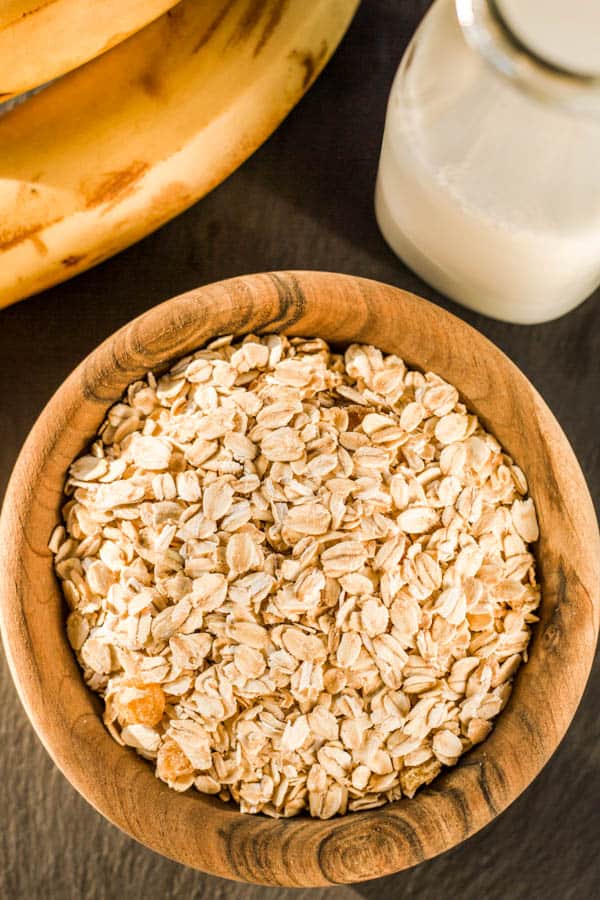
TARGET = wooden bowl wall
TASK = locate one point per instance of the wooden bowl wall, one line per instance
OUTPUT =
(201, 831)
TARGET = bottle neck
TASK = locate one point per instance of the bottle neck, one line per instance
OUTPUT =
(511, 44)
(564, 35)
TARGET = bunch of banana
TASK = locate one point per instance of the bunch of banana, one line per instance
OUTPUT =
(117, 146)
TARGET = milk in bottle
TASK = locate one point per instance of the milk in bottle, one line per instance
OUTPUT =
(491, 194)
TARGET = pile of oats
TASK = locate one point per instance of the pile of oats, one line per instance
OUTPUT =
(299, 579)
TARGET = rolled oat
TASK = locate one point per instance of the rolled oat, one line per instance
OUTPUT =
(300, 580)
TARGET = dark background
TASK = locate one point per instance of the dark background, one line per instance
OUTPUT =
(304, 200)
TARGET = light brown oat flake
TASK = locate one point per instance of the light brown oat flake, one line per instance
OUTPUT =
(301, 580)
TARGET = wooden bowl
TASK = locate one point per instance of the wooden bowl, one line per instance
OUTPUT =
(200, 831)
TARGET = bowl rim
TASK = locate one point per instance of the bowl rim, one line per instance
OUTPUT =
(200, 831)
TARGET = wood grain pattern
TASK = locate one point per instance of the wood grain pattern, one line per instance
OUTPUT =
(203, 832)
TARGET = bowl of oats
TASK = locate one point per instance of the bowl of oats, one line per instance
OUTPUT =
(300, 579)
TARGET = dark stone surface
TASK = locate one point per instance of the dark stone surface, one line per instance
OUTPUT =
(304, 201)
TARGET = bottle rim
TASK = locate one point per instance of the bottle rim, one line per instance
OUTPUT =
(487, 31)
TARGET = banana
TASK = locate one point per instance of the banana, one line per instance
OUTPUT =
(114, 149)
(40, 41)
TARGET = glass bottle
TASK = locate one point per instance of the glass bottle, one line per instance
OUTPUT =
(489, 177)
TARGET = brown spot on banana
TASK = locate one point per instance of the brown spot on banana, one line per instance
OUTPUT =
(310, 62)
(39, 244)
(212, 28)
(114, 185)
(70, 261)
(173, 196)
(11, 238)
(271, 24)
(249, 20)
(150, 82)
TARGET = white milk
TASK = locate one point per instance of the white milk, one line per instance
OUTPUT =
(489, 195)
